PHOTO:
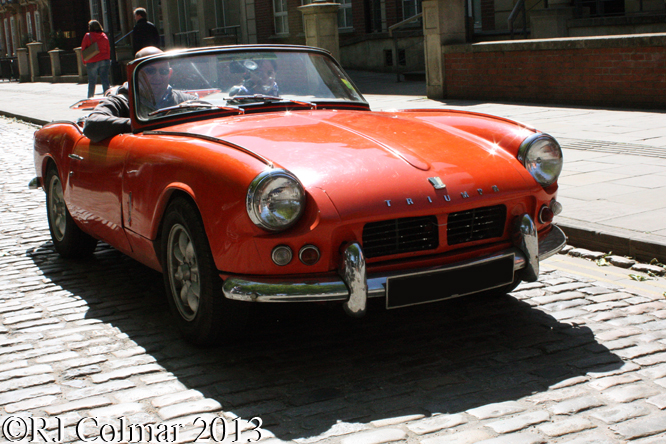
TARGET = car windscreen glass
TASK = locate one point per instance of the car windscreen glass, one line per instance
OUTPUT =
(228, 80)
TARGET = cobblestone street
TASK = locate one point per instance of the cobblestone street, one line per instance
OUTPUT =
(569, 359)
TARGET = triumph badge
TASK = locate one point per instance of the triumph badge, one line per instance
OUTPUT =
(437, 183)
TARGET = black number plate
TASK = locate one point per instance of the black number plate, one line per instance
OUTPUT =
(431, 286)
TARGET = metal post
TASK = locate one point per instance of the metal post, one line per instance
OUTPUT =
(115, 69)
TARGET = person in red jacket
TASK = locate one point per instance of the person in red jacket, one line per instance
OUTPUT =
(97, 65)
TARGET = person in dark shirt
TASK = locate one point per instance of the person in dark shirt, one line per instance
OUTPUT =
(144, 33)
(112, 115)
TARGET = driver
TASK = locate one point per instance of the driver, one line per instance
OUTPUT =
(259, 78)
(112, 115)
(155, 92)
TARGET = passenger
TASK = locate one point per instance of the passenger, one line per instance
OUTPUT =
(259, 79)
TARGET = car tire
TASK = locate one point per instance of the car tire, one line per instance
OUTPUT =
(68, 239)
(192, 281)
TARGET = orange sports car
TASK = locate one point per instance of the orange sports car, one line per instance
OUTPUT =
(281, 185)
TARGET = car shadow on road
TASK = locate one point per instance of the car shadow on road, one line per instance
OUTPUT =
(308, 368)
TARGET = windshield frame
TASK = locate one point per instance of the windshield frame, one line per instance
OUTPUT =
(142, 124)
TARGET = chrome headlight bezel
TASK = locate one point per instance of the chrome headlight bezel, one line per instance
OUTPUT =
(541, 155)
(261, 195)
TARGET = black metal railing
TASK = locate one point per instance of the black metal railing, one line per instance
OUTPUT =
(187, 39)
(9, 68)
(68, 63)
(44, 64)
(411, 27)
(225, 31)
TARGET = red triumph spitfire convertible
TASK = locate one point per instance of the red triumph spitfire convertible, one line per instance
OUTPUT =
(279, 184)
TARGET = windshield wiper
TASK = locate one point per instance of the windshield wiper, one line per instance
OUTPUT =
(193, 104)
(263, 98)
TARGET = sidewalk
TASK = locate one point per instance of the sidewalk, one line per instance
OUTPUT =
(613, 187)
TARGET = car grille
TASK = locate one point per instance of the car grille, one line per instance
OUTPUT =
(477, 224)
(400, 236)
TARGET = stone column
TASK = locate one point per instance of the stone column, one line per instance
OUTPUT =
(321, 26)
(56, 72)
(80, 66)
(23, 64)
(443, 24)
(34, 49)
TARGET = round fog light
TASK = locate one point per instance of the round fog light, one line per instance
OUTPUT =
(309, 254)
(282, 255)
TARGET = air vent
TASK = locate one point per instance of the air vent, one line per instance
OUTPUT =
(400, 236)
(477, 224)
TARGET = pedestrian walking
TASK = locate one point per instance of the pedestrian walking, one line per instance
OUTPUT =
(96, 54)
(144, 33)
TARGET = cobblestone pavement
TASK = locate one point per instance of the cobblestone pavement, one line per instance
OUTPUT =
(568, 359)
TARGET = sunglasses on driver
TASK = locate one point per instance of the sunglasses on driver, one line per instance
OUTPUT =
(151, 70)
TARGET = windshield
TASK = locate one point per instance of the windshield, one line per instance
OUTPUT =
(235, 81)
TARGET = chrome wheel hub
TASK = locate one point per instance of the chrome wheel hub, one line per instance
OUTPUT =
(57, 208)
(183, 269)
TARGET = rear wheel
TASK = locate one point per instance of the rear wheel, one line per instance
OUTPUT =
(68, 239)
(194, 287)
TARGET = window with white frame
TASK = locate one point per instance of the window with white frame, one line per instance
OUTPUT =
(345, 14)
(28, 21)
(38, 27)
(410, 8)
(376, 18)
(14, 31)
(8, 38)
(281, 16)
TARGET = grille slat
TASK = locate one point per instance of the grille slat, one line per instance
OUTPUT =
(396, 236)
(400, 236)
(476, 224)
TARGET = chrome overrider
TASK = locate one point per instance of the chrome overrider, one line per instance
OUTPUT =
(355, 286)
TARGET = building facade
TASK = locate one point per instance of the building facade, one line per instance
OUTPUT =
(378, 35)
(22, 22)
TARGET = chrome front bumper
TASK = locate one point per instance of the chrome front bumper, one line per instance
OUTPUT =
(355, 286)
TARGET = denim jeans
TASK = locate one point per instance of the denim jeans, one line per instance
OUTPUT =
(96, 69)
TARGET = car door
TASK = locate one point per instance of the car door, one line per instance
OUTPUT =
(94, 187)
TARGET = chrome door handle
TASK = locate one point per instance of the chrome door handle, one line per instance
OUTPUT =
(75, 157)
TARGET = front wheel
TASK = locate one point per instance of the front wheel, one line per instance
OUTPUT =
(68, 239)
(194, 288)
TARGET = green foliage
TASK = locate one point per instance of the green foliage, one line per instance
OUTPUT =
(56, 40)
(656, 262)
(603, 262)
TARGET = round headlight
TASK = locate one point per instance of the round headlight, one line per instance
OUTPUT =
(275, 200)
(542, 156)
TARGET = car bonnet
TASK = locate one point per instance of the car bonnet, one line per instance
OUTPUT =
(368, 161)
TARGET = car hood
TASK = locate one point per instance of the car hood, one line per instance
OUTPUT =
(372, 161)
